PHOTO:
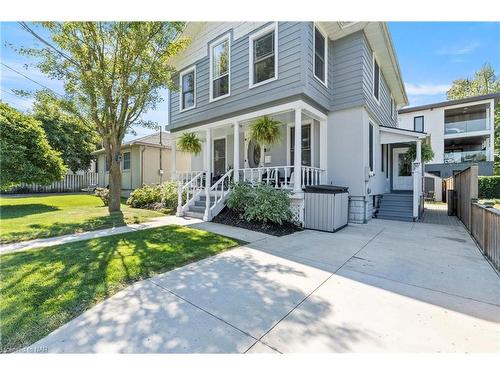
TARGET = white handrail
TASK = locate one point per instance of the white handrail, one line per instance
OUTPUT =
(215, 188)
(309, 175)
(192, 188)
(185, 176)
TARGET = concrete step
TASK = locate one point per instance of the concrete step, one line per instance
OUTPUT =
(200, 209)
(396, 204)
(196, 215)
(396, 197)
(397, 218)
(395, 211)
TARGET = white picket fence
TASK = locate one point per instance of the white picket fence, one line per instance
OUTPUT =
(70, 183)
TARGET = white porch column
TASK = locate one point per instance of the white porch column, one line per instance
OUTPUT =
(208, 169)
(173, 174)
(297, 159)
(323, 150)
(236, 152)
(417, 178)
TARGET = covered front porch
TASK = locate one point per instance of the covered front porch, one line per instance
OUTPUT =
(229, 154)
(402, 177)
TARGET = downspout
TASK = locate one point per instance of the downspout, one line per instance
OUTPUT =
(161, 169)
(143, 148)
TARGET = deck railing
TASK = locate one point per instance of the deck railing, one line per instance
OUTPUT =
(281, 176)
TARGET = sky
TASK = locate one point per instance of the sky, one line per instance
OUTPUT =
(431, 55)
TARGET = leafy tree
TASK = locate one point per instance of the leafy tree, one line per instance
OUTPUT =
(66, 133)
(26, 156)
(112, 74)
(485, 81)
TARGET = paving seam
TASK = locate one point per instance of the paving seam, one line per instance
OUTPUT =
(313, 291)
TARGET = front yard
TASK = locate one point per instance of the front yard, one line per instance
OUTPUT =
(45, 288)
(27, 218)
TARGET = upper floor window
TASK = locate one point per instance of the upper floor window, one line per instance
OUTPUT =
(263, 55)
(219, 65)
(418, 124)
(126, 160)
(188, 89)
(376, 79)
(393, 108)
(320, 55)
(370, 146)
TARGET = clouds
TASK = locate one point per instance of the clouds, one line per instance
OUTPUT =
(426, 89)
(459, 50)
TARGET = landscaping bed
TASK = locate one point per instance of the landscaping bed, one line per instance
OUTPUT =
(42, 289)
(231, 217)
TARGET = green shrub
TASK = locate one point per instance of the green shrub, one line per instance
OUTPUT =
(156, 197)
(241, 195)
(103, 193)
(261, 203)
(489, 187)
(145, 197)
(169, 195)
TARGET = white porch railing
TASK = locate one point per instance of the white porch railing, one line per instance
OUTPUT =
(219, 191)
(281, 176)
(184, 176)
(191, 189)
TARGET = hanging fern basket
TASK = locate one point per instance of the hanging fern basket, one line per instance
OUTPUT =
(189, 142)
(265, 131)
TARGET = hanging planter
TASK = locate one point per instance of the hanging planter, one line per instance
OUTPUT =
(189, 142)
(427, 153)
(265, 131)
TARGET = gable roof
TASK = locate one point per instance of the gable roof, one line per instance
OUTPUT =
(470, 99)
(152, 140)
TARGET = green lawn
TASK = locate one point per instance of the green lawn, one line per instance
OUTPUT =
(53, 215)
(44, 288)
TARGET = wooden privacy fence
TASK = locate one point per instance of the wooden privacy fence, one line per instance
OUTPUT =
(482, 222)
(70, 183)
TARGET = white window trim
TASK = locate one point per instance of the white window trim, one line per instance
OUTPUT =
(182, 74)
(251, 38)
(315, 26)
(373, 79)
(224, 37)
(393, 105)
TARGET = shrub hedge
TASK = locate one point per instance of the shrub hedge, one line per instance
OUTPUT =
(155, 197)
(489, 187)
(261, 203)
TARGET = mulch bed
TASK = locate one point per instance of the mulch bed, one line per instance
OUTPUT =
(230, 217)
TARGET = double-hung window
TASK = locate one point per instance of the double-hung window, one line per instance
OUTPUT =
(263, 56)
(126, 160)
(188, 89)
(418, 124)
(320, 55)
(219, 68)
(376, 80)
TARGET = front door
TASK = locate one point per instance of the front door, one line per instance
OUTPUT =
(219, 166)
(401, 170)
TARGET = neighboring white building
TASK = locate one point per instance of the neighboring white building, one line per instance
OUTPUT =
(461, 133)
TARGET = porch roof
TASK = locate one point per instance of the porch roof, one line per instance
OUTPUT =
(390, 135)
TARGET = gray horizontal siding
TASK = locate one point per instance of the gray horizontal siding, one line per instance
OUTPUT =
(346, 66)
(380, 111)
(289, 82)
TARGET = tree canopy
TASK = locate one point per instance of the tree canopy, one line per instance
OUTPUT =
(26, 156)
(484, 81)
(66, 133)
(112, 73)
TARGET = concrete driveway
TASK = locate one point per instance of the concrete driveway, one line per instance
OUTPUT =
(381, 287)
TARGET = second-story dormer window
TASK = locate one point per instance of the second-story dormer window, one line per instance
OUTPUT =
(188, 89)
(219, 65)
(320, 55)
(263, 56)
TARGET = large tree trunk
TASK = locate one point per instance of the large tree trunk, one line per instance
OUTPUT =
(115, 178)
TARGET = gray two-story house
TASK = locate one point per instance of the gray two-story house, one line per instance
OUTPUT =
(334, 86)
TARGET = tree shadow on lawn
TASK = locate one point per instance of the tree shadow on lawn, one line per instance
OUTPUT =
(14, 211)
(61, 228)
(43, 289)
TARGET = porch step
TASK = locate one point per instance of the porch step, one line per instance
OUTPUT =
(396, 207)
(193, 214)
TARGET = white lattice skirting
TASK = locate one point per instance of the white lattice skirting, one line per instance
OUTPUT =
(297, 208)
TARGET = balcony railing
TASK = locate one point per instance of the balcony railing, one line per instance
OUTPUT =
(465, 156)
(467, 126)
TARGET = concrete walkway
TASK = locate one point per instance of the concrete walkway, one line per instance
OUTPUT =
(381, 287)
